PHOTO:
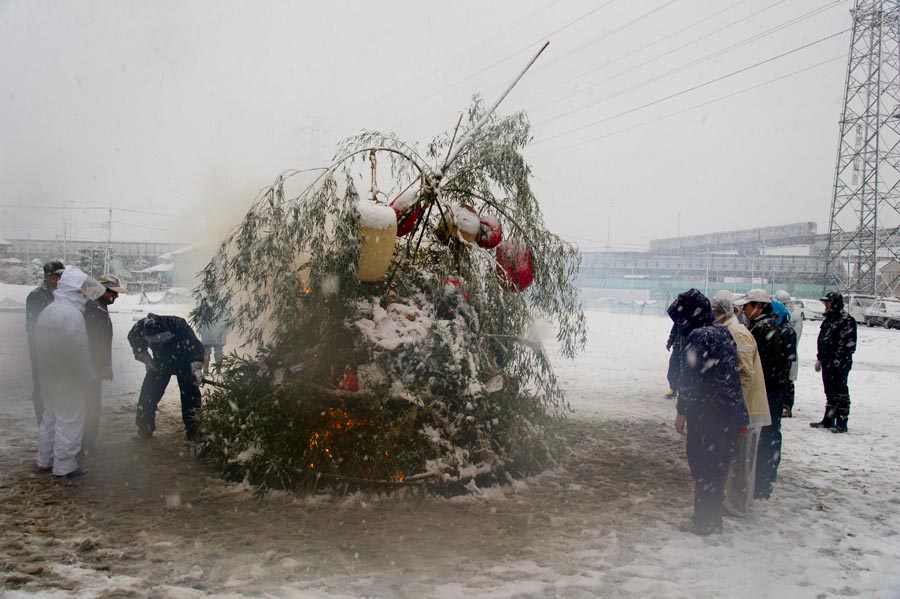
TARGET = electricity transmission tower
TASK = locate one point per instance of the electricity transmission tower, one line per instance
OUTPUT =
(865, 207)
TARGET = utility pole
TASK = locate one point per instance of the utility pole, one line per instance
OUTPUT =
(865, 205)
(108, 241)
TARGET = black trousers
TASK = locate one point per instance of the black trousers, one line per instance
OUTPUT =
(837, 394)
(155, 383)
(768, 452)
(36, 398)
(91, 414)
(710, 449)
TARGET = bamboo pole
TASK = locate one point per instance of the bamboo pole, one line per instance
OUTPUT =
(467, 139)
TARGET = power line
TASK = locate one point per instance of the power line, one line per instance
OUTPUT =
(694, 107)
(693, 88)
(591, 42)
(515, 54)
(89, 207)
(607, 34)
(642, 48)
(681, 68)
(455, 60)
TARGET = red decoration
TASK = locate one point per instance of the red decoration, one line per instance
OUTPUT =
(452, 284)
(348, 381)
(515, 265)
(407, 210)
(490, 233)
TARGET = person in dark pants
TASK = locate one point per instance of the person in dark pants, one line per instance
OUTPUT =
(674, 344)
(836, 344)
(710, 405)
(38, 299)
(176, 351)
(99, 332)
(773, 352)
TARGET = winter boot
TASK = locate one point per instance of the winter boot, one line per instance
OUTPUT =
(827, 420)
(840, 425)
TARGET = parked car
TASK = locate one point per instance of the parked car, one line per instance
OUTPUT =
(856, 305)
(884, 313)
(810, 309)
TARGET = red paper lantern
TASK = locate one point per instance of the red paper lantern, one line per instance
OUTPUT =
(490, 233)
(515, 265)
(348, 381)
(407, 210)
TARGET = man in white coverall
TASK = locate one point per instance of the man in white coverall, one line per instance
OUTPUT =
(65, 371)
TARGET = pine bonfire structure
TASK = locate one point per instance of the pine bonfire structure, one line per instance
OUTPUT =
(391, 327)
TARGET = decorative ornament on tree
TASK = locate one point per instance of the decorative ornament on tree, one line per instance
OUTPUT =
(515, 264)
(377, 234)
(348, 381)
(490, 233)
(407, 210)
(460, 222)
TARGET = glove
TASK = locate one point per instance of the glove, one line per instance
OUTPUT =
(147, 360)
(744, 431)
(818, 366)
(197, 372)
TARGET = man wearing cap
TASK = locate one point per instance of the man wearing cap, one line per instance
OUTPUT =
(757, 309)
(99, 332)
(176, 351)
(742, 471)
(836, 344)
(37, 300)
(65, 371)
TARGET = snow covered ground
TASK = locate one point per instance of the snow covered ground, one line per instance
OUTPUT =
(150, 521)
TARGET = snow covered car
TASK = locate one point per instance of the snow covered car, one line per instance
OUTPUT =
(810, 309)
(884, 313)
(856, 305)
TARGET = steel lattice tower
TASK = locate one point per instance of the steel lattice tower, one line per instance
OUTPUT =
(865, 207)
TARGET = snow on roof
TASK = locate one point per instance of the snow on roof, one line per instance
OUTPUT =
(10, 261)
(164, 267)
(4, 242)
(184, 250)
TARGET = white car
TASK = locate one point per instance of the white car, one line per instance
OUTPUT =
(856, 305)
(810, 309)
(884, 313)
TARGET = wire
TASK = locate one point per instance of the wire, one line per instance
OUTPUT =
(684, 67)
(452, 62)
(605, 35)
(528, 46)
(694, 107)
(693, 88)
(641, 49)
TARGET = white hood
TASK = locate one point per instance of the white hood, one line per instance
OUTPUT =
(76, 288)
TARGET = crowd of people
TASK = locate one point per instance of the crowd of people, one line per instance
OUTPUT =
(69, 333)
(732, 370)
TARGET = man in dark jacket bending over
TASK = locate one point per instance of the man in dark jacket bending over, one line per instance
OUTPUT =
(175, 351)
(836, 344)
(710, 403)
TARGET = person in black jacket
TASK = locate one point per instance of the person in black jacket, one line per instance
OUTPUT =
(99, 332)
(773, 352)
(836, 344)
(175, 351)
(710, 405)
(38, 299)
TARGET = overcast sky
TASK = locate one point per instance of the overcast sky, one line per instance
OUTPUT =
(185, 109)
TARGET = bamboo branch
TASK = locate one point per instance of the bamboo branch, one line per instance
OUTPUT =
(465, 141)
